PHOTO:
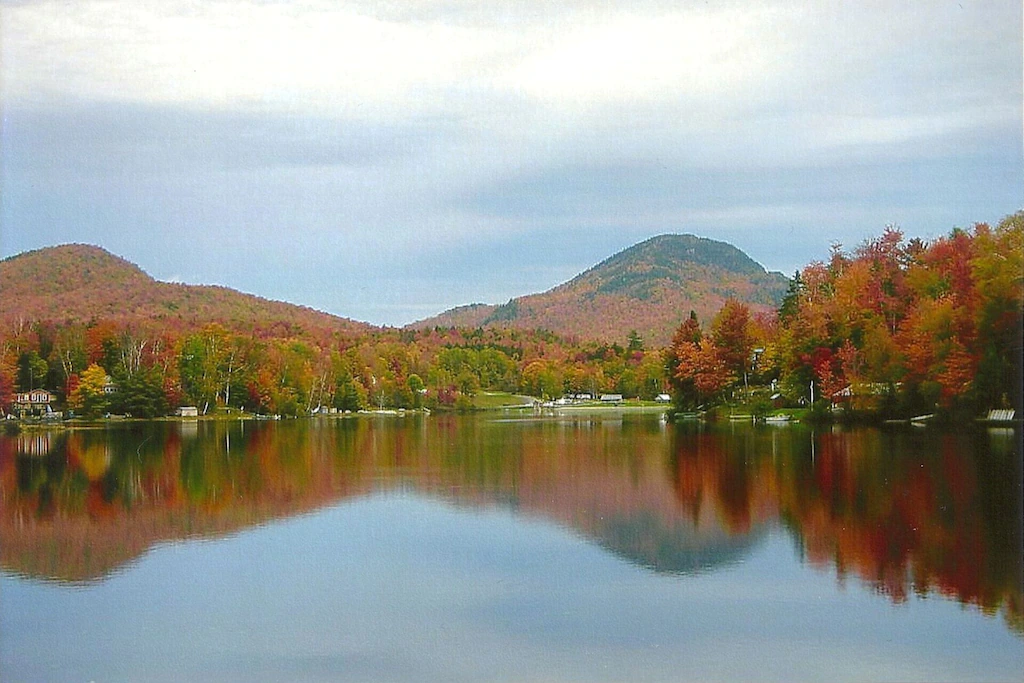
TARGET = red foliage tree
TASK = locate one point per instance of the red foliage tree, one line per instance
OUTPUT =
(703, 365)
(731, 331)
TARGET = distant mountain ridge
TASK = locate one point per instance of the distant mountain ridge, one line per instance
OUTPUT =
(80, 282)
(648, 287)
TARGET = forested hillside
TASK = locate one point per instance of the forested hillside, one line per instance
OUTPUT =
(642, 288)
(83, 283)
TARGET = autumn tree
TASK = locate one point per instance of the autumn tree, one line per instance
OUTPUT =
(541, 378)
(294, 365)
(731, 332)
(697, 370)
(240, 355)
(70, 352)
(997, 269)
(198, 363)
(88, 397)
(701, 367)
(688, 331)
(6, 387)
(937, 324)
(650, 375)
(686, 336)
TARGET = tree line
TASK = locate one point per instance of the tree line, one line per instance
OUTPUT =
(894, 327)
(97, 368)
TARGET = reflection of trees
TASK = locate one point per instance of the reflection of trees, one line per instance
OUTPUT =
(721, 470)
(912, 512)
(901, 511)
(114, 494)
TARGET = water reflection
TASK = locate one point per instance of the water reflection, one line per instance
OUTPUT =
(901, 511)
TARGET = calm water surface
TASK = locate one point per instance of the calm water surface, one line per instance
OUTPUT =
(587, 548)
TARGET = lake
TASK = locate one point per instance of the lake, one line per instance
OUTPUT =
(590, 547)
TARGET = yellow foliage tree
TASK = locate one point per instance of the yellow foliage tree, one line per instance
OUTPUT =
(88, 397)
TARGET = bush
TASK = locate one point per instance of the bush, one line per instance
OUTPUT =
(821, 411)
(464, 404)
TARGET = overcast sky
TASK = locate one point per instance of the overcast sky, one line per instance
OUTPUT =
(385, 160)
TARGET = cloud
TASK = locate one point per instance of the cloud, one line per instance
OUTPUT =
(248, 55)
(98, 139)
(675, 55)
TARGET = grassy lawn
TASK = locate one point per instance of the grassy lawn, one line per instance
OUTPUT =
(494, 400)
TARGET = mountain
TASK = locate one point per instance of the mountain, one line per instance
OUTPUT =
(649, 287)
(82, 282)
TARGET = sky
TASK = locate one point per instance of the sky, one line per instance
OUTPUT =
(386, 160)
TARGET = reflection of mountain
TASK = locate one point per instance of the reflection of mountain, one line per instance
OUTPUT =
(83, 549)
(643, 540)
(902, 511)
(99, 500)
